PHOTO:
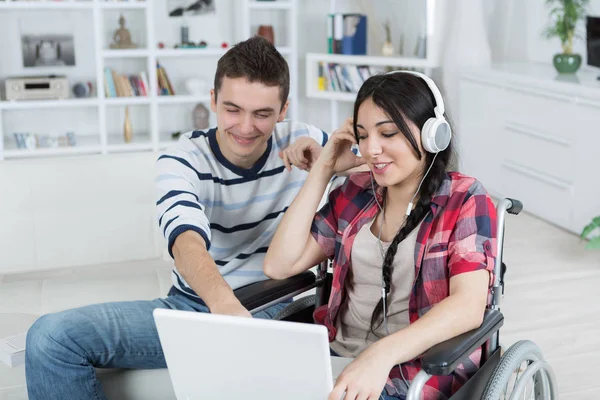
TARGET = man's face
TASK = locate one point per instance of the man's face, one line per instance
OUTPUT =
(246, 116)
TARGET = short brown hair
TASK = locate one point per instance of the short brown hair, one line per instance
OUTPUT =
(257, 60)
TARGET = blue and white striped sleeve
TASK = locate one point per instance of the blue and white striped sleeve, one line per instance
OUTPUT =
(318, 134)
(177, 187)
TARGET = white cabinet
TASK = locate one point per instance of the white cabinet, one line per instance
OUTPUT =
(528, 134)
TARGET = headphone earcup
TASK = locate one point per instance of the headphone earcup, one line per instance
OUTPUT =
(436, 135)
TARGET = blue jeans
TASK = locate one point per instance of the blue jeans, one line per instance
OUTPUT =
(64, 348)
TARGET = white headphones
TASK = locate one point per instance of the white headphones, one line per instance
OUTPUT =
(436, 132)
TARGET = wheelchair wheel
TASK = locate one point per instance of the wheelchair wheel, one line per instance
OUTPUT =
(522, 373)
(299, 310)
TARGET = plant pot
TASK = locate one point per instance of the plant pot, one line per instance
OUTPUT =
(566, 63)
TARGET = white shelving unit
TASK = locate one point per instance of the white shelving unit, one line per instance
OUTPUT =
(290, 7)
(314, 59)
(105, 142)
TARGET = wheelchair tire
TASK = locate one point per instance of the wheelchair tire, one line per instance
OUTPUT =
(513, 359)
(296, 306)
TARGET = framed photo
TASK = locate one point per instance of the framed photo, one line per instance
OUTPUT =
(48, 50)
(180, 8)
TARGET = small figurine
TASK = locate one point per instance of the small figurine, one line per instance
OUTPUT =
(200, 116)
(388, 48)
(161, 45)
(122, 37)
(127, 131)
(267, 32)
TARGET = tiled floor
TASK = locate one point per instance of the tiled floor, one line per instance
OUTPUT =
(552, 288)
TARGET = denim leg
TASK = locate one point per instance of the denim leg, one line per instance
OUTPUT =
(63, 348)
(272, 311)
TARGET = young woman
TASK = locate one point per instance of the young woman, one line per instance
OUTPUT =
(413, 245)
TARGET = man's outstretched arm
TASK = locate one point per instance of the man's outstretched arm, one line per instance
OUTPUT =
(199, 270)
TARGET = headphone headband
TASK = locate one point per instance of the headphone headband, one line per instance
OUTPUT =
(436, 133)
(439, 108)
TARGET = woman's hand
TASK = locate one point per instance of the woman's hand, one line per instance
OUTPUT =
(365, 377)
(337, 155)
(302, 153)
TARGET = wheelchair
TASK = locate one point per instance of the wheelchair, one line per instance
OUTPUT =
(521, 372)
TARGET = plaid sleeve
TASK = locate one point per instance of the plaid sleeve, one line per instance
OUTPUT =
(472, 244)
(325, 224)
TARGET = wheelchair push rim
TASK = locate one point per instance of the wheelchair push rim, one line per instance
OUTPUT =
(522, 373)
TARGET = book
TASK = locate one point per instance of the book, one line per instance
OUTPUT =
(12, 350)
(330, 34)
(354, 40)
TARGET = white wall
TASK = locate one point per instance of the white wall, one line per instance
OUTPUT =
(515, 31)
(75, 211)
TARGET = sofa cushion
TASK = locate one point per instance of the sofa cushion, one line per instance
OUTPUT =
(136, 384)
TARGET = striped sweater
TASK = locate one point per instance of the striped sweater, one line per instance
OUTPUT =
(235, 210)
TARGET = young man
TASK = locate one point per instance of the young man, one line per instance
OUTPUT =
(220, 195)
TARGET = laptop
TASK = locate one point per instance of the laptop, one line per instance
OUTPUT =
(225, 357)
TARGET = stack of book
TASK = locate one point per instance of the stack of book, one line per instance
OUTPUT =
(12, 350)
(164, 84)
(345, 78)
(347, 34)
(116, 85)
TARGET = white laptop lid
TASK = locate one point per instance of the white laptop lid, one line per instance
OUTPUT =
(223, 357)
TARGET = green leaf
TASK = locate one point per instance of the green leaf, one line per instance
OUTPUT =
(590, 228)
(587, 230)
(594, 243)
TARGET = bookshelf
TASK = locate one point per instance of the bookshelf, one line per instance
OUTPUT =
(426, 65)
(251, 14)
(104, 112)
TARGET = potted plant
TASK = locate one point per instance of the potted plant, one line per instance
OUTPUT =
(564, 16)
(592, 232)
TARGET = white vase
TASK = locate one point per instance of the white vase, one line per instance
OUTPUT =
(466, 45)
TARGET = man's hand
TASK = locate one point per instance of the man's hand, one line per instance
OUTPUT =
(302, 153)
(230, 307)
(200, 271)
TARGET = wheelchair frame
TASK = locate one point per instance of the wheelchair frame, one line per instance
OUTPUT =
(443, 358)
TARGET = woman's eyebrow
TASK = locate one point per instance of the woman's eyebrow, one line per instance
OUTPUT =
(377, 124)
(384, 122)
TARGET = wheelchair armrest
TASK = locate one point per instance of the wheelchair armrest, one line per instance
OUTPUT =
(444, 357)
(263, 294)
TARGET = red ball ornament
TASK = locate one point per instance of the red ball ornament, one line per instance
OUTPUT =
(161, 45)
(224, 45)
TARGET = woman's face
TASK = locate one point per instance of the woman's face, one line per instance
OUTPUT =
(389, 155)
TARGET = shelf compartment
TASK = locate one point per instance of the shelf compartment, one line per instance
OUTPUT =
(203, 52)
(376, 61)
(46, 5)
(37, 104)
(120, 5)
(125, 53)
(182, 99)
(126, 101)
(270, 5)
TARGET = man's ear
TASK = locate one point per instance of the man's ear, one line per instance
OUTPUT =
(213, 100)
(283, 111)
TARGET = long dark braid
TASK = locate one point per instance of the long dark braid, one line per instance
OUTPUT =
(430, 186)
(405, 97)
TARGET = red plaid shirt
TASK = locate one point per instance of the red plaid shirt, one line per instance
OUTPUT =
(457, 236)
